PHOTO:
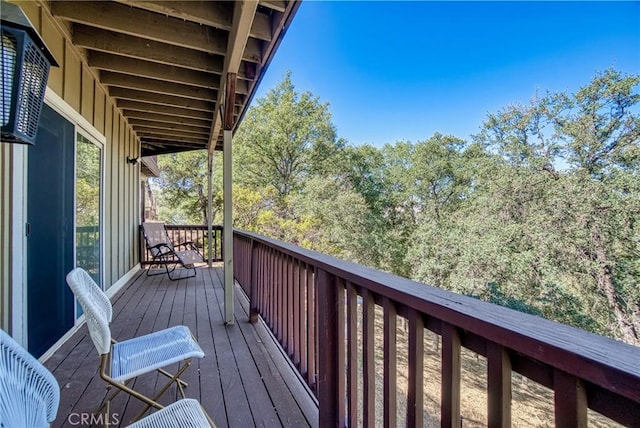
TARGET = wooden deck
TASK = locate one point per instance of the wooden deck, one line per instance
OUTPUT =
(243, 381)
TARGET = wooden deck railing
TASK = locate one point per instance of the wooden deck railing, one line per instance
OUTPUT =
(179, 233)
(322, 310)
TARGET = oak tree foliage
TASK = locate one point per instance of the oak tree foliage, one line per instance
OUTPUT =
(540, 211)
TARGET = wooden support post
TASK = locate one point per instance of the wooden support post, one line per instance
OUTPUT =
(210, 207)
(499, 386)
(450, 401)
(227, 187)
(570, 400)
(330, 398)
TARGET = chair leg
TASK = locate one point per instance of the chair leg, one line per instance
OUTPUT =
(175, 378)
(169, 375)
(108, 400)
(180, 276)
(161, 262)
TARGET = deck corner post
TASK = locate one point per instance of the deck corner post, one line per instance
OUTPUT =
(328, 394)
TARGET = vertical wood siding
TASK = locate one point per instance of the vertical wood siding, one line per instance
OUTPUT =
(76, 83)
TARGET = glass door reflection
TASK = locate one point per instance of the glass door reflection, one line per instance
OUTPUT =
(88, 207)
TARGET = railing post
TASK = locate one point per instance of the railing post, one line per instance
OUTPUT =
(415, 395)
(331, 400)
(253, 295)
(570, 400)
(450, 404)
(498, 386)
(390, 365)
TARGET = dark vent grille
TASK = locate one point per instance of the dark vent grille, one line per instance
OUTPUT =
(9, 48)
(25, 69)
(35, 72)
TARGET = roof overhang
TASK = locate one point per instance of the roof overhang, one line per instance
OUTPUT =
(165, 63)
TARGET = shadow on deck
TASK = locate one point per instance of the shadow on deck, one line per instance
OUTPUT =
(243, 381)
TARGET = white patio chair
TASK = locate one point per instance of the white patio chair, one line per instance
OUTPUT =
(121, 362)
(30, 395)
(184, 413)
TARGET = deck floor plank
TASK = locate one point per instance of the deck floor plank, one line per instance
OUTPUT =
(235, 398)
(258, 397)
(240, 381)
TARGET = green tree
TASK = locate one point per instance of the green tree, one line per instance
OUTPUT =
(287, 137)
(552, 218)
(183, 187)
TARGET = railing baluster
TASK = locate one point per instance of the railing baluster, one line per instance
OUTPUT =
(450, 400)
(290, 308)
(390, 364)
(279, 292)
(570, 400)
(341, 352)
(352, 355)
(311, 329)
(254, 265)
(296, 313)
(271, 297)
(498, 386)
(368, 360)
(415, 393)
(304, 323)
(283, 301)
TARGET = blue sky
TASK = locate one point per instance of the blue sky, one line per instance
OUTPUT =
(405, 70)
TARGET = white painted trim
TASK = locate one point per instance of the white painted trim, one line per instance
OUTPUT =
(19, 318)
(81, 320)
(111, 291)
(61, 106)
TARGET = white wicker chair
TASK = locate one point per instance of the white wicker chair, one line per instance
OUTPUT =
(123, 361)
(184, 413)
(29, 394)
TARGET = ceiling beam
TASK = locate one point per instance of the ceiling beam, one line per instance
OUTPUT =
(163, 109)
(149, 25)
(161, 132)
(135, 22)
(243, 14)
(151, 148)
(280, 6)
(167, 100)
(181, 140)
(213, 14)
(136, 67)
(151, 117)
(158, 124)
(134, 47)
(156, 86)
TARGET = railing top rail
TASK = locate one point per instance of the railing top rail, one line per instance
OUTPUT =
(192, 226)
(603, 361)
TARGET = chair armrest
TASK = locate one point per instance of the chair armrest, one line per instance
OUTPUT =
(184, 244)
